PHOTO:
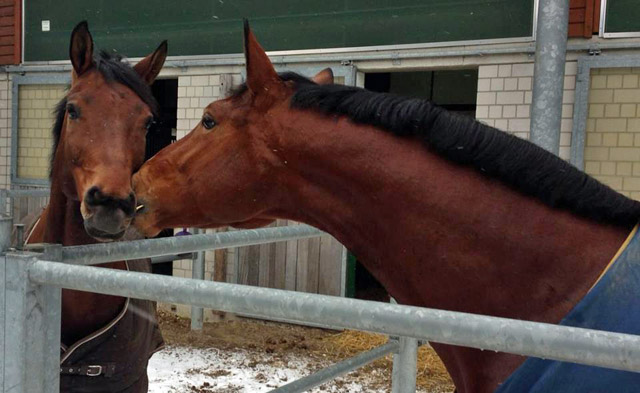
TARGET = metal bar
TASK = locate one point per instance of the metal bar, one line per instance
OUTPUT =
(405, 366)
(603, 18)
(52, 324)
(4, 209)
(343, 271)
(548, 79)
(19, 236)
(584, 346)
(34, 193)
(335, 370)
(32, 330)
(14, 331)
(580, 110)
(238, 60)
(197, 273)
(107, 252)
(6, 225)
(5, 242)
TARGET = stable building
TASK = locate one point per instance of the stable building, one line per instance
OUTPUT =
(475, 58)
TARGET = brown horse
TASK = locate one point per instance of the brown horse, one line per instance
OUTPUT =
(99, 142)
(444, 211)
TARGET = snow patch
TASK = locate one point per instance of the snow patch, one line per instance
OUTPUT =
(178, 369)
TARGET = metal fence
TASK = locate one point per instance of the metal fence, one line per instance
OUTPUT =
(30, 324)
(20, 203)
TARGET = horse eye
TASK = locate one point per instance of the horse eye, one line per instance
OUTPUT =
(150, 122)
(72, 111)
(208, 122)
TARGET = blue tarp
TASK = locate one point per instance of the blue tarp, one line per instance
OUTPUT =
(613, 304)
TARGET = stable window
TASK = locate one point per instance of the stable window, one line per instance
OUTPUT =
(454, 90)
(620, 18)
(34, 98)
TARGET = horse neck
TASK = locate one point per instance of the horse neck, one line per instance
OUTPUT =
(64, 224)
(82, 312)
(439, 235)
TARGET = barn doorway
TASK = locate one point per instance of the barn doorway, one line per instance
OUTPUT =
(163, 131)
(162, 134)
(454, 90)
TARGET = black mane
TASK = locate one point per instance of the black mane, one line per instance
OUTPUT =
(518, 163)
(114, 68)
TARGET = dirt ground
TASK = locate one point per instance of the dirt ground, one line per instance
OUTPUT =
(282, 341)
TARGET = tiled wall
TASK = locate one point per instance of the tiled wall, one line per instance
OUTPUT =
(504, 99)
(612, 147)
(195, 92)
(35, 119)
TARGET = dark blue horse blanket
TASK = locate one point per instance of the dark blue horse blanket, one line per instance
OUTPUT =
(612, 304)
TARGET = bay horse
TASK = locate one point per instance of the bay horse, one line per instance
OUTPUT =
(444, 211)
(99, 142)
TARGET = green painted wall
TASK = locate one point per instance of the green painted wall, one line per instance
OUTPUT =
(198, 27)
(623, 16)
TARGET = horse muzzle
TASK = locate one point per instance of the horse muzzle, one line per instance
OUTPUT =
(106, 218)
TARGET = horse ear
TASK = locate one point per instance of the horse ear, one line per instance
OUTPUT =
(324, 77)
(149, 67)
(260, 71)
(81, 48)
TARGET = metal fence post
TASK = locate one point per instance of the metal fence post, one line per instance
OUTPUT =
(3, 203)
(31, 350)
(32, 330)
(548, 80)
(5, 240)
(197, 272)
(405, 366)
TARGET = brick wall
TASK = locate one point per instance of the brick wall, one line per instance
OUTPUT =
(504, 100)
(612, 147)
(35, 119)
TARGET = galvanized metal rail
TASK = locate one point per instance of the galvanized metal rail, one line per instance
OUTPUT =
(577, 345)
(34, 193)
(340, 368)
(7, 197)
(92, 254)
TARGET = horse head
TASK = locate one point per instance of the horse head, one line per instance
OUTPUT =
(100, 133)
(222, 173)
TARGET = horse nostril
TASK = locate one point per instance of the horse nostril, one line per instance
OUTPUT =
(93, 196)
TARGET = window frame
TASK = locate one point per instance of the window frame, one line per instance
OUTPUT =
(16, 82)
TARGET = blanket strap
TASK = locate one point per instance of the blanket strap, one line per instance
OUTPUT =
(89, 370)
